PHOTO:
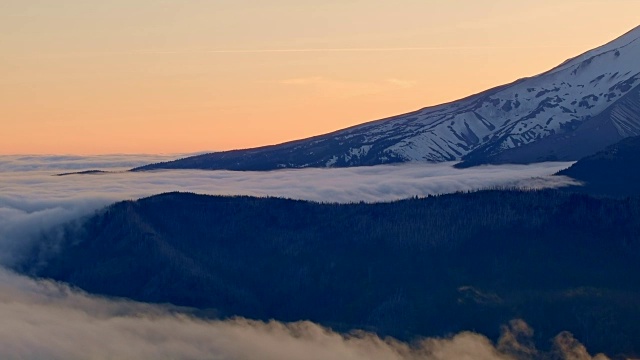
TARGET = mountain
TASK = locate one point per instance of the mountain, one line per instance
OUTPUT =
(417, 267)
(614, 171)
(571, 111)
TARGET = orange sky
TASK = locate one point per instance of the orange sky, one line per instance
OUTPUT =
(162, 76)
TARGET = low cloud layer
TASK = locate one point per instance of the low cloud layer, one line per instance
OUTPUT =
(31, 177)
(77, 162)
(33, 200)
(42, 319)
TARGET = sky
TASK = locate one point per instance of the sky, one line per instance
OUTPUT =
(167, 77)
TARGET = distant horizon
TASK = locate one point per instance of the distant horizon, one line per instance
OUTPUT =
(191, 78)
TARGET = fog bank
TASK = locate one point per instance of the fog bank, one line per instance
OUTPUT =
(43, 319)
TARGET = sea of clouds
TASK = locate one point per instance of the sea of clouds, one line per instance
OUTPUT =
(47, 320)
(44, 319)
(33, 199)
(32, 178)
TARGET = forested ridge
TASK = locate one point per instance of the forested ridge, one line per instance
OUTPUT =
(614, 171)
(417, 267)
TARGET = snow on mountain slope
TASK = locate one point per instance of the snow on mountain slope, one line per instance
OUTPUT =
(571, 111)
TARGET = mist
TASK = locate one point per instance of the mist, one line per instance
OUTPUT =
(44, 319)
(31, 178)
(78, 162)
(33, 200)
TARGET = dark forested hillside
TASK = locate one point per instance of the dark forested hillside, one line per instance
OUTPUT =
(418, 267)
(615, 171)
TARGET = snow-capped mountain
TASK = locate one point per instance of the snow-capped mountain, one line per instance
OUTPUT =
(571, 111)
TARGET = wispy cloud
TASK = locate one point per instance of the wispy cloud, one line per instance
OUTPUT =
(339, 88)
(320, 79)
(349, 88)
(300, 50)
(402, 83)
(346, 49)
(21, 163)
(311, 80)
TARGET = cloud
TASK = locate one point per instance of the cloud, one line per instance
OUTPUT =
(29, 181)
(284, 51)
(22, 222)
(43, 319)
(339, 88)
(402, 83)
(10, 163)
(348, 88)
(311, 80)
(33, 201)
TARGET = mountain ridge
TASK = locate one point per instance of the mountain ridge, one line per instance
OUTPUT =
(539, 114)
(614, 171)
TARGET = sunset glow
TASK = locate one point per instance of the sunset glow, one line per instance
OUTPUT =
(142, 76)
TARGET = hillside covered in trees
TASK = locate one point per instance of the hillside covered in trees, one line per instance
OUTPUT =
(614, 171)
(418, 267)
